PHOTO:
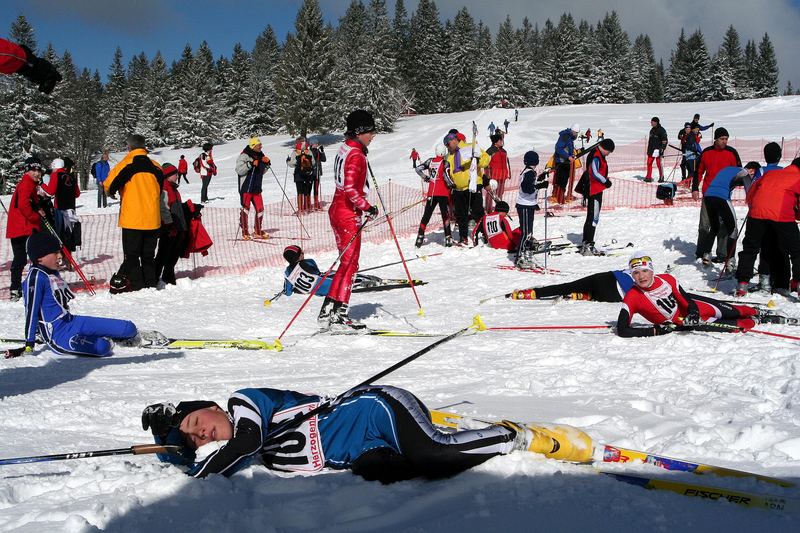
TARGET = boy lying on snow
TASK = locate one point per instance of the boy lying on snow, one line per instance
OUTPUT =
(302, 275)
(379, 432)
(662, 301)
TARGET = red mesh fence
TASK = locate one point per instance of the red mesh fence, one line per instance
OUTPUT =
(101, 252)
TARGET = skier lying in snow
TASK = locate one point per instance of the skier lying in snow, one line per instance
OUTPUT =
(302, 275)
(662, 301)
(47, 299)
(379, 432)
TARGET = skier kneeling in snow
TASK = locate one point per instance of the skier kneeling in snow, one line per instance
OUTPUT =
(662, 301)
(496, 230)
(47, 299)
(379, 432)
(302, 275)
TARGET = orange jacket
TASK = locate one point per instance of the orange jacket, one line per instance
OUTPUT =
(776, 195)
(139, 180)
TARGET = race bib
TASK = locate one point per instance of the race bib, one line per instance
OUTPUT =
(493, 226)
(664, 301)
(298, 450)
(301, 280)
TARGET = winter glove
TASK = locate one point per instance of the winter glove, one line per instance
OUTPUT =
(693, 316)
(656, 152)
(608, 183)
(372, 212)
(160, 418)
(40, 71)
(665, 328)
(266, 161)
(542, 184)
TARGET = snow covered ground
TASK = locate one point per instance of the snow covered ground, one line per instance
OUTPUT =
(730, 400)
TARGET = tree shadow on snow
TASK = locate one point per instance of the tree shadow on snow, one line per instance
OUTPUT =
(686, 249)
(501, 499)
(23, 380)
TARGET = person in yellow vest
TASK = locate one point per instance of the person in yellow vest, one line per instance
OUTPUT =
(138, 179)
(467, 196)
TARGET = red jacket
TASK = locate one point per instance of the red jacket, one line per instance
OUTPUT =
(499, 168)
(712, 160)
(12, 57)
(350, 176)
(597, 166)
(776, 196)
(437, 186)
(497, 230)
(183, 166)
(414, 155)
(23, 219)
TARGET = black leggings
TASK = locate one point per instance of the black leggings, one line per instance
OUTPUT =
(602, 287)
(592, 216)
(427, 451)
(720, 214)
(430, 205)
(467, 205)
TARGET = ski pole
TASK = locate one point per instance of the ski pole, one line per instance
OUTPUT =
(138, 449)
(283, 190)
(285, 175)
(770, 333)
(281, 428)
(269, 301)
(423, 257)
(396, 242)
(322, 280)
(69, 257)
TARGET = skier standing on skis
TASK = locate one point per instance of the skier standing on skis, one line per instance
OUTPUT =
(438, 194)
(597, 167)
(467, 199)
(47, 312)
(346, 211)
(656, 146)
(527, 205)
(773, 264)
(378, 432)
(563, 157)
(661, 300)
(208, 169)
(499, 170)
(251, 166)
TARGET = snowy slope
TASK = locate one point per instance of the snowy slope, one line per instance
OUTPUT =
(729, 400)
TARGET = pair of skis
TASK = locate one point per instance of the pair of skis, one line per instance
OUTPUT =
(607, 454)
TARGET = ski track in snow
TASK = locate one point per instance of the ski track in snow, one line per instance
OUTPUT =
(729, 400)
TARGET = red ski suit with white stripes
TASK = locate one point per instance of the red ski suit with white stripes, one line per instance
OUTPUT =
(345, 212)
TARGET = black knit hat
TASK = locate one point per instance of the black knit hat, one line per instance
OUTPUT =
(656, 120)
(772, 152)
(531, 158)
(292, 253)
(501, 206)
(359, 121)
(42, 243)
(607, 144)
(33, 163)
(720, 132)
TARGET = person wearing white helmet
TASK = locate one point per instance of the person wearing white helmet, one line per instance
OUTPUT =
(438, 194)
(563, 157)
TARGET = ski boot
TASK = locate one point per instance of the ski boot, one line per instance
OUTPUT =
(583, 296)
(145, 339)
(766, 317)
(420, 239)
(524, 294)
(341, 322)
(364, 281)
(325, 314)
(706, 260)
(261, 235)
(764, 284)
(564, 443)
(741, 290)
(448, 241)
(246, 236)
(588, 249)
(15, 295)
(525, 261)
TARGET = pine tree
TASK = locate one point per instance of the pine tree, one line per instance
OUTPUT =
(306, 92)
(86, 126)
(233, 83)
(547, 89)
(484, 94)
(613, 52)
(401, 34)
(679, 77)
(767, 69)
(136, 93)
(644, 77)
(463, 43)
(751, 86)
(383, 97)
(151, 121)
(568, 76)
(178, 97)
(699, 64)
(789, 89)
(728, 67)
(261, 118)
(429, 77)
(115, 105)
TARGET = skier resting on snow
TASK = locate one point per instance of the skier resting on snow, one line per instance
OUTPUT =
(663, 302)
(302, 275)
(495, 230)
(47, 312)
(378, 432)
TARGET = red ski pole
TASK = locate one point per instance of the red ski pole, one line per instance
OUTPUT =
(421, 312)
(321, 281)
(69, 256)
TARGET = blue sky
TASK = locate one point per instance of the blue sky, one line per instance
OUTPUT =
(92, 29)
